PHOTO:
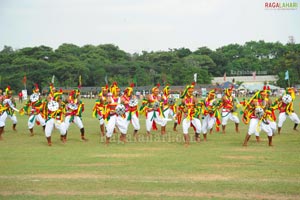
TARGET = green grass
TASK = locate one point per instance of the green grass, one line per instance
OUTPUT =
(156, 168)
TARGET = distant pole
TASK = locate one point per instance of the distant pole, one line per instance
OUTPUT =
(24, 81)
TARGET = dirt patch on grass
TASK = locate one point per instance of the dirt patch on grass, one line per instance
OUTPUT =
(121, 155)
(130, 178)
(68, 176)
(230, 165)
(207, 177)
(98, 164)
(135, 193)
(239, 157)
(148, 149)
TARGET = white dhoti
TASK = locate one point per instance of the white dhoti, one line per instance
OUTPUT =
(207, 123)
(226, 115)
(134, 120)
(33, 118)
(153, 116)
(77, 120)
(186, 123)
(282, 117)
(58, 125)
(114, 121)
(256, 125)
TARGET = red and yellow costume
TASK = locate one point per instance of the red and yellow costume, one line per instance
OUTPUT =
(131, 108)
(287, 109)
(37, 113)
(74, 110)
(99, 108)
(153, 111)
(191, 113)
(111, 117)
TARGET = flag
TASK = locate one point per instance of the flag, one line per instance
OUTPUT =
(106, 81)
(254, 75)
(24, 80)
(225, 76)
(287, 77)
(52, 80)
(195, 77)
(79, 82)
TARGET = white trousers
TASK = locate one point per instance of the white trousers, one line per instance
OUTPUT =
(255, 127)
(13, 118)
(168, 113)
(186, 123)
(273, 126)
(33, 118)
(114, 121)
(134, 120)
(207, 123)
(58, 125)
(282, 117)
(229, 115)
(154, 116)
(77, 121)
(3, 119)
(101, 120)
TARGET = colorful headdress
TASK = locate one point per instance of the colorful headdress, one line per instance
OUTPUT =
(212, 93)
(129, 89)
(267, 88)
(51, 89)
(291, 92)
(57, 95)
(73, 95)
(166, 89)
(8, 90)
(263, 92)
(155, 88)
(36, 88)
(113, 88)
(228, 91)
(105, 88)
(188, 87)
(77, 92)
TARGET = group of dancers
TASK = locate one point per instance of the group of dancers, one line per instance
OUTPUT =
(117, 111)
(52, 111)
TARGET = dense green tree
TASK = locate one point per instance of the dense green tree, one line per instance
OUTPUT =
(175, 66)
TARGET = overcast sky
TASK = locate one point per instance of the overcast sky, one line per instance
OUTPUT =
(150, 25)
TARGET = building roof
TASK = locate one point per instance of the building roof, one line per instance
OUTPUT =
(246, 79)
(256, 86)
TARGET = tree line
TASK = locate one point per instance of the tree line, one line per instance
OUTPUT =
(107, 62)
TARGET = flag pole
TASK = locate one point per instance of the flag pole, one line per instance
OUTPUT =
(24, 81)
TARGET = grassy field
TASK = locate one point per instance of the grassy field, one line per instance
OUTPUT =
(155, 168)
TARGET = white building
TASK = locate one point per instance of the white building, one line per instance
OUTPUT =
(246, 79)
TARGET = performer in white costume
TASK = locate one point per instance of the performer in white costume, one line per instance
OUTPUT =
(6, 105)
(74, 110)
(191, 114)
(37, 111)
(286, 109)
(55, 115)
(115, 114)
(130, 102)
(99, 108)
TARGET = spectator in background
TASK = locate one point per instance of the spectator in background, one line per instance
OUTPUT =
(20, 97)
